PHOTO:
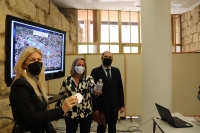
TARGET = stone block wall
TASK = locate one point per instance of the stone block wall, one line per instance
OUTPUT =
(39, 11)
(71, 15)
(190, 30)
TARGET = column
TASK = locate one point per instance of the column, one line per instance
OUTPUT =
(156, 59)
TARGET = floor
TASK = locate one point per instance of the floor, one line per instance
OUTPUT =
(123, 126)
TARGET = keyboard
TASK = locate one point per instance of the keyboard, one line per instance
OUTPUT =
(180, 123)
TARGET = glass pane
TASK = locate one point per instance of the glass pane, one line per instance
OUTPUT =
(82, 29)
(134, 33)
(178, 48)
(178, 29)
(92, 48)
(134, 27)
(134, 17)
(173, 48)
(125, 34)
(134, 49)
(82, 49)
(90, 33)
(114, 48)
(114, 35)
(104, 27)
(104, 48)
(126, 50)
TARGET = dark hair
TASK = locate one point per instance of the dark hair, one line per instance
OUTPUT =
(104, 53)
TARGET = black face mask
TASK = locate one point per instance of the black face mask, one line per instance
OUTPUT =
(35, 68)
(107, 61)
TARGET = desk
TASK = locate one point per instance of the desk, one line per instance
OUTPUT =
(56, 98)
(166, 128)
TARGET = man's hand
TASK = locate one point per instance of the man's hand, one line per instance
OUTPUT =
(121, 110)
(96, 113)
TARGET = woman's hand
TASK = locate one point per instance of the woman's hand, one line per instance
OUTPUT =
(97, 92)
(69, 103)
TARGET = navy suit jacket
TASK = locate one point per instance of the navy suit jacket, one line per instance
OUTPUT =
(112, 97)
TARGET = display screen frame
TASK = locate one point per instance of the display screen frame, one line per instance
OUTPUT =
(21, 33)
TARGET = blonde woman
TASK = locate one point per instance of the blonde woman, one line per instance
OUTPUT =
(28, 96)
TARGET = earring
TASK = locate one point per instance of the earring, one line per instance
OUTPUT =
(25, 71)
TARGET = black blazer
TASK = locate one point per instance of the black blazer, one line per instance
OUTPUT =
(29, 111)
(112, 92)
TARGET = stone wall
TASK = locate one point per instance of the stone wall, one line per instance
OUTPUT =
(39, 11)
(71, 15)
(190, 28)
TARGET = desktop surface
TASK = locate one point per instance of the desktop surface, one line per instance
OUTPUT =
(56, 98)
(167, 128)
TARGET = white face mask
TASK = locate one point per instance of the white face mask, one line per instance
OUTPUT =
(79, 69)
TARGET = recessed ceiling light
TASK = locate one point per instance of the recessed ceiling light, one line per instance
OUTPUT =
(137, 3)
(176, 5)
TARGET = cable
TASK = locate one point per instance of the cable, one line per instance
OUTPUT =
(15, 128)
(134, 130)
(138, 127)
(146, 121)
(3, 117)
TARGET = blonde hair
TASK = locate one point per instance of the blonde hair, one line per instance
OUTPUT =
(19, 70)
(73, 64)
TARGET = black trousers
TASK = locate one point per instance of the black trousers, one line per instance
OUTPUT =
(72, 124)
(111, 120)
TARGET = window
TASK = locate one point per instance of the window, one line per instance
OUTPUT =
(176, 33)
(116, 31)
(113, 26)
(130, 32)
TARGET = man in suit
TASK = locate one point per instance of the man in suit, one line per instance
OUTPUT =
(112, 98)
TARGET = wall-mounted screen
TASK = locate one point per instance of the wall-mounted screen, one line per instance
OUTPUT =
(21, 33)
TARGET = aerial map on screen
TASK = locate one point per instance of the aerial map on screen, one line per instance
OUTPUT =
(49, 42)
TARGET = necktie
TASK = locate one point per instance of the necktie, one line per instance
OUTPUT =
(108, 74)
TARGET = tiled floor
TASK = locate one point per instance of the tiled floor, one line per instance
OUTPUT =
(122, 127)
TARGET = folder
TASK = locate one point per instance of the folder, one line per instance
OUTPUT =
(99, 119)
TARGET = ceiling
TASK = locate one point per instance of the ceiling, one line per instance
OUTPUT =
(177, 6)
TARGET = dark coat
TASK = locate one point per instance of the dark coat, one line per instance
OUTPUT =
(112, 92)
(29, 111)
